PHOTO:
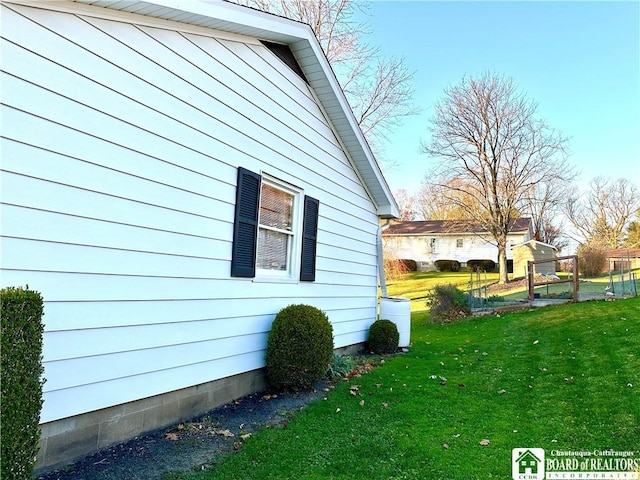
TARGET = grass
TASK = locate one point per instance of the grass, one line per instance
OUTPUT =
(415, 285)
(569, 377)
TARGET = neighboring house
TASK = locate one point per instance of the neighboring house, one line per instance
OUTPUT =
(531, 251)
(462, 240)
(622, 259)
(172, 177)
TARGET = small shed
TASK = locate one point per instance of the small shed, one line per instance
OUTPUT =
(533, 250)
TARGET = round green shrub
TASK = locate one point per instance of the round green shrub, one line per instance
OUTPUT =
(299, 348)
(383, 337)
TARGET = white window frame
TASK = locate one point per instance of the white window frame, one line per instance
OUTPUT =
(432, 245)
(293, 261)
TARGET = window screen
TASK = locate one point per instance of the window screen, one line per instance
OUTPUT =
(275, 230)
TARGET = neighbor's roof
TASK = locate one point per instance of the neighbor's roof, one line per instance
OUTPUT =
(623, 253)
(237, 19)
(444, 227)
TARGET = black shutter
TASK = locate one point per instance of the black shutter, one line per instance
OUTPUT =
(245, 226)
(309, 237)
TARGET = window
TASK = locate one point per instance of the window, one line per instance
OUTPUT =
(275, 230)
(459, 243)
(432, 245)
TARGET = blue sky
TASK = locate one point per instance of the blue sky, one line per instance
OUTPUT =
(579, 60)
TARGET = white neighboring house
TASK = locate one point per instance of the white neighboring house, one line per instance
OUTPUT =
(462, 240)
(173, 174)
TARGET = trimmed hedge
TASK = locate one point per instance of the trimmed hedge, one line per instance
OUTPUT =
(21, 384)
(299, 347)
(481, 265)
(447, 265)
(383, 337)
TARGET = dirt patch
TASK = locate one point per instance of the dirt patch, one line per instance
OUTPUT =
(497, 288)
(198, 444)
(195, 445)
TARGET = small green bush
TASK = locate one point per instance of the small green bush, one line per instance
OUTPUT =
(481, 265)
(21, 384)
(447, 303)
(383, 337)
(299, 347)
(340, 366)
(447, 265)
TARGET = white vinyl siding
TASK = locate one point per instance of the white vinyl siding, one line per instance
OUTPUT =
(120, 146)
(429, 249)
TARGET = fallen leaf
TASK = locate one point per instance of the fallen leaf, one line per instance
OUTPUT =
(171, 436)
(536, 342)
(361, 403)
(337, 410)
(502, 392)
(224, 433)
(445, 446)
(461, 385)
(385, 405)
(245, 436)
(269, 396)
(484, 442)
(180, 426)
(443, 381)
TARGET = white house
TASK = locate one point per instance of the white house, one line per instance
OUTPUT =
(461, 240)
(173, 174)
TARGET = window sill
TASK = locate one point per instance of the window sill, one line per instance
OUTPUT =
(274, 279)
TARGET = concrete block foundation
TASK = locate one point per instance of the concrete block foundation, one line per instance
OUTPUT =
(66, 440)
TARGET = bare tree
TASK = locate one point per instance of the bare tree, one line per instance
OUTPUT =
(485, 135)
(406, 204)
(603, 214)
(433, 201)
(543, 204)
(379, 89)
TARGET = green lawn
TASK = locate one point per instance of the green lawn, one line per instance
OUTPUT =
(416, 285)
(564, 377)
